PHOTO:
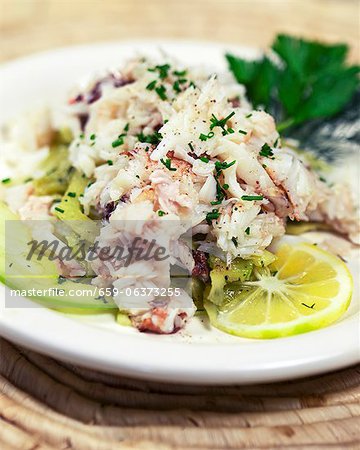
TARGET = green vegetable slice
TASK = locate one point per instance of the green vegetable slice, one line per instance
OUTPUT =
(221, 274)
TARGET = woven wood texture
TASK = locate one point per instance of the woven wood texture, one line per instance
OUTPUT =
(45, 404)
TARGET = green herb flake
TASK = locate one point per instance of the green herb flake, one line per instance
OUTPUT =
(205, 137)
(242, 132)
(215, 122)
(248, 116)
(181, 73)
(250, 198)
(212, 216)
(109, 162)
(204, 159)
(266, 151)
(153, 139)
(225, 186)
(223, 165)
(235, 241)
(93, 137)
(161, 213)
(6, 180)
(151, 86)
(167, 164)
(119, 141)
(176, 87)
(60, 210)
(161, 92)
(71, 194)
(163, 70)
(247, 231)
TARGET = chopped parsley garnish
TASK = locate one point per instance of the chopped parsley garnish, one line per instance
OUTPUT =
(218, 202)
(215, 122)
(242, 132)
(161, 92)
(119, 141)
(322, 179)
(126, 127)
(266, 151)
(223, 165)
(81, 136)
(110, 163)
(161, 213)
(191, 147)
(71, 194)
(153, 139)
(247, 231)
(205, 137)
(28, 180)
(213, 215)
(204, 159)
(167, 164)
(176, 87)
(93, 137)
(220, 190)
(181, 73)
(250, 198)
(6, 180)
(163, 70)
(234, 241)
(248, 116)
(59, 210)
(151, 86)
(276, 142)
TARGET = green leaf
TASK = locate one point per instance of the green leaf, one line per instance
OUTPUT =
(244, 71)
(259, 77)
(330, 94)
(309, 80)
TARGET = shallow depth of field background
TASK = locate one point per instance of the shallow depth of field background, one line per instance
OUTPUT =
(28, 26)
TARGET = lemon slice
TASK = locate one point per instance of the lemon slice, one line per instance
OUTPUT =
(304, 289)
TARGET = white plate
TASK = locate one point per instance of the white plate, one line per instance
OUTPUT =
(199, 354)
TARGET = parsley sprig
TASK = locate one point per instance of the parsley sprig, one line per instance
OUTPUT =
(312, 80)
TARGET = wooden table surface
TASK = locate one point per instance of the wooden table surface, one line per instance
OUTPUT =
(32, 25)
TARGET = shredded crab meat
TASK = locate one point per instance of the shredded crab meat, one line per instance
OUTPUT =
(171, 151)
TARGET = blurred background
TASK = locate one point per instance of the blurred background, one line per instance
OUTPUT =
(28, 26)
